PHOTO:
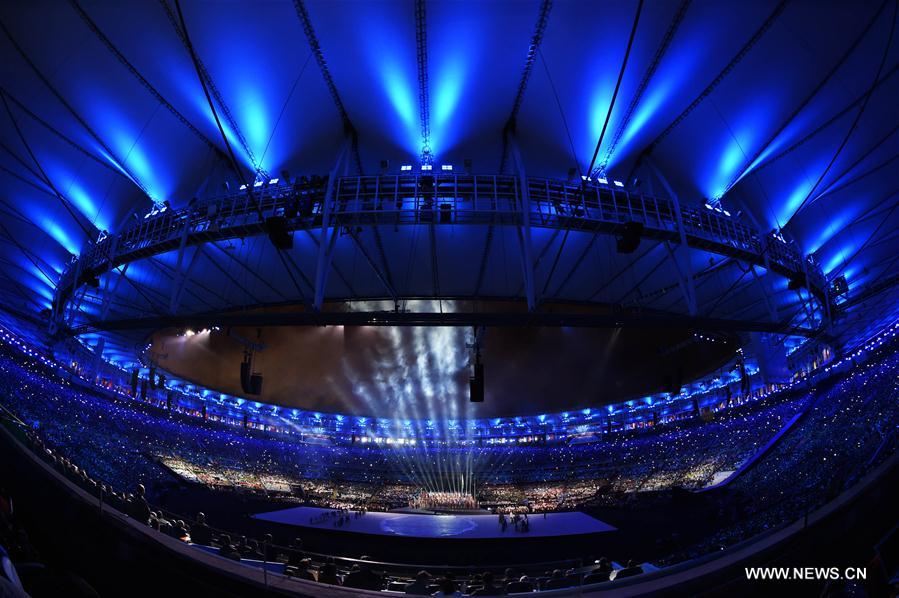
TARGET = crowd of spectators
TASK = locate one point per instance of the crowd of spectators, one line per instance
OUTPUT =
(844, 428)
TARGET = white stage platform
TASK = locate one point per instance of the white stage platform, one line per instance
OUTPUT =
(462, 527)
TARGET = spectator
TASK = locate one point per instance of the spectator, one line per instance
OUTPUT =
(523, 584)
(421, 585)
(489, 588)
(200, 533)
(448, 587)
(227, 549)
(363, 578)
(557, 581)
(304, 570)
(328, 574)
(140, 509)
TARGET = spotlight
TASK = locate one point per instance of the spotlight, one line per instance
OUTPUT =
(427, 167)
(406, 168)
(446, 167)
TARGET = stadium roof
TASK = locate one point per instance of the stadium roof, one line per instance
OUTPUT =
(785, 112)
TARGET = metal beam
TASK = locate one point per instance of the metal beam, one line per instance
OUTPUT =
(328, 235)
(524, 230)
(625, 319)
(684, 274)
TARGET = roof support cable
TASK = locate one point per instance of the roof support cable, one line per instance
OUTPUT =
(141, 79)
(644, 82)
(533, 49)
(202, 78)
(727, 70)
(111, 154)
(808, 99)
(209, 87)
(858, 116)
(89, 232)
(312, 38)
(605, 124)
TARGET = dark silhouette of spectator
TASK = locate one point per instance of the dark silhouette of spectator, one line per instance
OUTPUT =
(363, 578)
(557, 581)
(421, 585)
(523, 584)
(489, 588)
(448, 587)
(140, 509)
(328, 574)
(304, 570)
(200, 533)
(227, 549)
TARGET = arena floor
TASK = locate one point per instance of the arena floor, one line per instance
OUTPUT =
(465, 527)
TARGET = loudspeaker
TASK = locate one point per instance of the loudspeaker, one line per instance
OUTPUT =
(476, 384)
(628, 238)
(276, 226)
(245, 376)
(143, 390)
(153, 377)
(255, 384)
(797, 282)
(134, 382)
(446, 214)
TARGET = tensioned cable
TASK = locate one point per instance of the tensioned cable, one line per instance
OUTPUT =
(644, 83)
(849, 51)
(284, 108)
(218, 123)
(738, 57)
(858, 116)
(203, 73)
(552, 86)
(46, 179)
(627, 54)
(110, 154)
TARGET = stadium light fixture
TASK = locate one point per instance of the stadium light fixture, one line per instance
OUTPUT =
(427, 167)
(406, 167)
(447, 167)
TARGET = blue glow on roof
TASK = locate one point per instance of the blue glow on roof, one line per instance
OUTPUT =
(255, 122)
(448, 85)
(400, 91)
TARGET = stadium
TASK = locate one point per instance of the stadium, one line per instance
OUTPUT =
(426, 297)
